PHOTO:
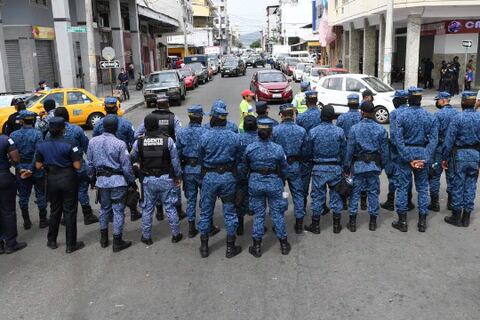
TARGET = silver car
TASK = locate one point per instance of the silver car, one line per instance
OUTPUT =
(168, 83)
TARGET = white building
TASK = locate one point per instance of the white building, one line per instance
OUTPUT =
(222, 25)
(294, 16)
(272, 27)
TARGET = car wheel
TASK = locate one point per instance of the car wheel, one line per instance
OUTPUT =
(223, 76)
(183, 96)
(381, 115)
(94, 118)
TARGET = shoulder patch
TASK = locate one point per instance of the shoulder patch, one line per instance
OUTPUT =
(10, 141)
(75, 149)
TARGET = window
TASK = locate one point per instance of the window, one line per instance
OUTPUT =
(354, 85)
(57, 97)
(39, 2)
(77, 98)
(335, 84)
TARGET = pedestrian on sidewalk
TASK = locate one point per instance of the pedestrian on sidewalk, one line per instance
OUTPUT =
(123, 78)
(469, 78)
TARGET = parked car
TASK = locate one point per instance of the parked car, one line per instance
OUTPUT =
(200, 71)
(317, 73)
(233, 67)
(298, 72)
(306, 73)
(289, 65)
(278, 62)
(335, 89)
(202, 58)
(190, 78)
(214, 63)
(271, 86)
(169, 83)
(257, 61)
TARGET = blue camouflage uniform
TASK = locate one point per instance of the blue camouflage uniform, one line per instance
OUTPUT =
(292, 138)
(347, 120)
(109, 155)
(188, 145)
(219, 153)
(26, 140)
(125, 131)
(221, 104)
(41, 124)
(461, 149)
(267, 164)
(246, 137)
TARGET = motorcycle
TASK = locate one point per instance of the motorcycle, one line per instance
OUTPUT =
(140, 82)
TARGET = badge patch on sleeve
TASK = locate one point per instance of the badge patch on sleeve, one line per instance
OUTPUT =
(11, 142)
(75, 149)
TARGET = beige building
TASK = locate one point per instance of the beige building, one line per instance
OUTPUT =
(429, 29)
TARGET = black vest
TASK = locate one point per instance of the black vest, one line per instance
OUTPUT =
(154, 154)
(166, 122)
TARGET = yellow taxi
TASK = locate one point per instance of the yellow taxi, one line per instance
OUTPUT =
(83, 107)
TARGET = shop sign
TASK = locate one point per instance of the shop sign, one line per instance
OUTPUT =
(43, 33)
(432, 29)
(463, 26)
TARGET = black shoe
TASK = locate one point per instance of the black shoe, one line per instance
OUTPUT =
(232, 249)
(17, 247)
(372, 226)
(390, 203)
(119, 244)
(401, 223)
(285, 247)
(240, 229)
(314, 227)
(148, 241)
(192, 230)
(181, 214)
(177, 238)
(204, 251)
(455, 218)
(135, 215)
(466, 218)
(159, 215)
(449, 202)
(213, 229)
(299, 225)
(104, 238)
(352, 224)
(52, 245)
(2, 247)
(422, 223)
(434, 204)
(43, 219)
(27, 224)
(76, 247)
(88, 216)
(363, 202)
(337, 227)
(256, 248)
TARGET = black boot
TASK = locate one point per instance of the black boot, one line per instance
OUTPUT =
(372, 226)
(434, 204)
(363, 201)
(299, 225)
(148, 241)
(43, 219)
(410, 205)
(466, 218)
(401, 224)
(192, 230)
(2, 247)
(352, 224)
(422, 223)
(240, 229)
(455, 218)
(88, 216)
(134, 214)
(119, 244)
(390, 203)
(104, 238)
(79, 245)
(337, 227)
(177, 238)
(181, 214)
(232, 249)
(314, 227)
(159, 215)
(27, 224)
(17, 247)
(204, 251)
(256, 248)
(213, 229)
(285, 247)
(449, 201)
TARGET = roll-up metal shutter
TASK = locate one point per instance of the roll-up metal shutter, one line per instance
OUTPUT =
(46, 61)
(15, 69)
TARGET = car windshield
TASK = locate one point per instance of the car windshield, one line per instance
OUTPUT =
(168, 77)
(231, 63)
(301, 66)
(293, 61)
(186, 72)
(315, 72)
(377, 85)
(271, 77)
(195, 66)
(30, 101)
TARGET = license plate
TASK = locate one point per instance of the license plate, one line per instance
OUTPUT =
(276, 95)
(227, 71)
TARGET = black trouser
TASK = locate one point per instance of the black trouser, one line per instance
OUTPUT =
(62, 187)
(126, 93)
(8, 217)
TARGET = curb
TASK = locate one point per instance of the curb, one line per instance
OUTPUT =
(135, 106)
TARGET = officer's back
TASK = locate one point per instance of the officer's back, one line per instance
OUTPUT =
(310, 118)
(326, 144)
(219, 146)
(347, 120)
(73, 133)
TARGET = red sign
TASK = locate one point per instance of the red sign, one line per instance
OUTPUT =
(462, 26)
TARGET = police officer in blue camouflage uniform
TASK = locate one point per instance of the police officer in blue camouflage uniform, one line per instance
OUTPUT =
(26, 140)
(61, 160)
(110, 168)
(266, 163)
(156, 156)
(219, 153)
(416, 138)
(367, 153)
(222, 105)
(8, 218)
(188, 145)
(444, 117)
(77, 137)
(41, 124)
(326, 148)
(461, 156)
(292, 138)
(261, 108)
(248, 136)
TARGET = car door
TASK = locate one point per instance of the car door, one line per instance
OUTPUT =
(78, 104)
(58, 97)
(330, 91)
(353, 85)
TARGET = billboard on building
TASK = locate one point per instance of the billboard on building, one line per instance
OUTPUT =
(43, 33)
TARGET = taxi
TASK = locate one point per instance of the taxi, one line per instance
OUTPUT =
(83, 107)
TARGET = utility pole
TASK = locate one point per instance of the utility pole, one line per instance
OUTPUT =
(387, 59)
(92, 58)
(185, 29)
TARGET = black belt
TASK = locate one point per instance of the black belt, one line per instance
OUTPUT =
(368, 157)
(55, 169)
(193, 162)
(328, 163)
(156, 172)
(219, 169)
(469, 146)
(293, 159)
(108, 172)
(265, 171)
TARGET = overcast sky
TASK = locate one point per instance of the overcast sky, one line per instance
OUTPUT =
(249, 15)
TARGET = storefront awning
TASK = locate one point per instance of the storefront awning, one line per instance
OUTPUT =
(162, 19)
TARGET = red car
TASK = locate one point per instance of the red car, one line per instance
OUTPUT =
(271, 86)
(191, 80)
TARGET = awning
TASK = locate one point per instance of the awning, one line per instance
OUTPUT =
(160, 18)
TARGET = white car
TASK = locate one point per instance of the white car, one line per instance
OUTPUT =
(335, 89)
(299, 70)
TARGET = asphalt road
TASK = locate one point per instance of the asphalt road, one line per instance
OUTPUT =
(364, 275)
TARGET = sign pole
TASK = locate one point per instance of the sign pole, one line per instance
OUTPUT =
(466, 57)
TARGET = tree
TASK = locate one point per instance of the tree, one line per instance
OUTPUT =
(256, 44)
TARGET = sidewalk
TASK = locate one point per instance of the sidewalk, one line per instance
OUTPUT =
(429, 95)
(136, 97)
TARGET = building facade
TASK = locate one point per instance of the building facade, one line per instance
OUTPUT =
(272, 27)
(222, 34)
